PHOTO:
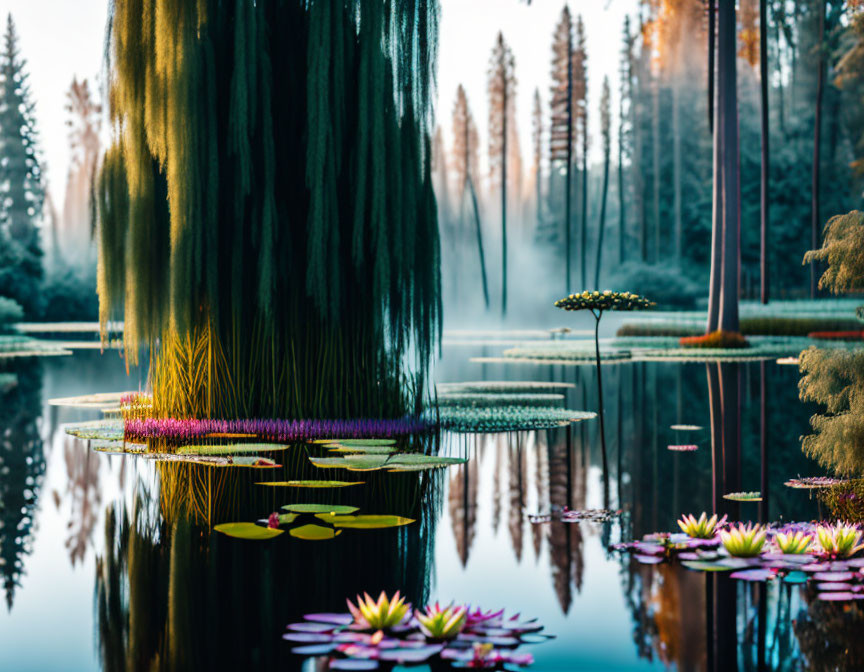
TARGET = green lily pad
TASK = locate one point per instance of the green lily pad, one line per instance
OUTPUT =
(417, 459)
(358, 442)
(351, 462)
(744, 496)
(314, 532)
(231, 449)
(364, 522)
(253, 461)
(97, 429)
(320, 508)
(311, 484)
(706, 566)
(247, 531)
(361, 450)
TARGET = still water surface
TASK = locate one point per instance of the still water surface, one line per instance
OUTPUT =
(97, 575)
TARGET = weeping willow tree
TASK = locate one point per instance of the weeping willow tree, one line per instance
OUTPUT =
(268, 226)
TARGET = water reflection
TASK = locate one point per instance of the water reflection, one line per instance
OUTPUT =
(22, 466)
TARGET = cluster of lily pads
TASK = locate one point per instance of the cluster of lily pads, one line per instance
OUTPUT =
(377, 455)
(311, 522)
(385, 632)
(606, 300)
(495, 418)
(567, 515)
(817, 553)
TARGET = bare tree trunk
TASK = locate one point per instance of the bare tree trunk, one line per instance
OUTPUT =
(728, 120)
(817, 149)
(676, 168)
(569, 168)
(602, 225)
(763, 194)
(621, 211)
(712, 52)
(716, 228)
(583, 243)
(479, 232)
(504, 86)
(655, 142)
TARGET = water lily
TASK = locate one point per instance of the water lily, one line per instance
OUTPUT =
(439, 623)
(793, 543)
(273, 521)
(700, 528)
(381, 615)
(744, 541)
(839, 541)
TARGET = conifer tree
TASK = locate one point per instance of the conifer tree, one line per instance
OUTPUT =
(606, 138)
(580, 94)
(22, 190)
(466, 159)
(561, 125)
(625, 129)
(537, 155)
(502, 127)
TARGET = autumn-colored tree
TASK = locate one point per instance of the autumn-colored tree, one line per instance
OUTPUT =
(580, 94)
(561, 123)
(466, 150)
(502, 113)
(606, 136)
(84, 122)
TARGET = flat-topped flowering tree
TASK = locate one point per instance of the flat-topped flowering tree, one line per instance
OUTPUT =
(596, 302)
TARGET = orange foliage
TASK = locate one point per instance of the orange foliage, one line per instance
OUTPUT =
(716, 339)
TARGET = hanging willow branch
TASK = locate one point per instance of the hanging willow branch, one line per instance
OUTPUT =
(269, 184)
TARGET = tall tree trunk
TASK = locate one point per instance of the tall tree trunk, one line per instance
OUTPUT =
(712, 52)
(728, 120)
(583, 220)
(569, 168)
(479, 233)
(765, 167)
(676, 168)
(621, 210)
(716, 223)
(817, 148)
(602, 225)
(655, 147)
(504, 86)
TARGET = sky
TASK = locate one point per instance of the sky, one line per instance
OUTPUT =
(62, 39)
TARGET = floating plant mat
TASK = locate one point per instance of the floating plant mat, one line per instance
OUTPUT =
(310, 484)
(508, 418)
(356, 442)
(110, 429)
(813, 482)
(99, 401)
(315, 522)
(231, 449)
(477, 399)
(830, 571)
(563, 351)
(383, 632)
(761, 347)
(575, 516)
(248, 531)
(117, 447)
(393, 462)
(744, 496)
(361, 450)
(500, 387)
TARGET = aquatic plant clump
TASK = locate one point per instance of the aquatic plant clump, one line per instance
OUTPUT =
(840, 540)
(507, 418)
(378, 634)
(813, 482)
(285, 431)
(795, 542)
(702, 527)
(716, 340)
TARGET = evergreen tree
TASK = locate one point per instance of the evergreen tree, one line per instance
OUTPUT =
(502, 132)
(537, 155)
(606, 137)
(22, 191)
(562, 135)
(580, 94)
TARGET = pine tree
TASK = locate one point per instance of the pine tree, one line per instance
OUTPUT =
(606, 136)
(537, 155)
(502, 126)
(580, 95)
(21, 186)
(562, 125)
(625, 130)
(466, 159)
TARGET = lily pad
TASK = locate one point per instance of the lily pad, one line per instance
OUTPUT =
(310, 484)
(364, 522)
(759, 574)
(97, 429)
(320, 508)
(284, 519)
(353, 664)
(795, 577)
(253, 461)
(314, 532)
(351, 462)
(744, 496)
(361, 450)
(839, 596)
(247, 531)
(705, 566)
(358, 442)
(231, 449)
(314, 649)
